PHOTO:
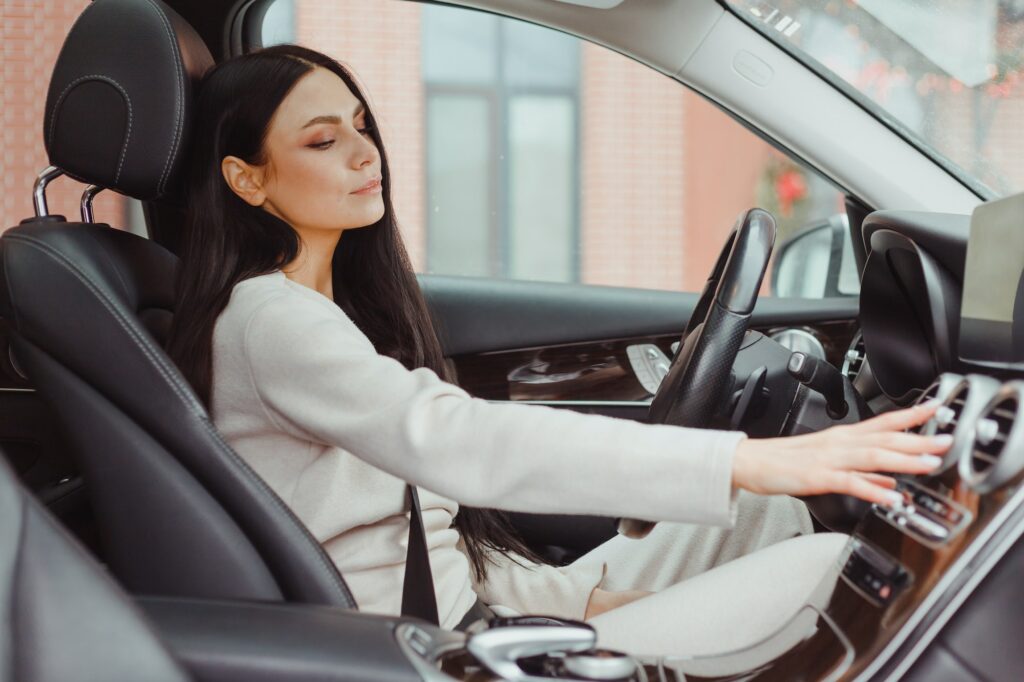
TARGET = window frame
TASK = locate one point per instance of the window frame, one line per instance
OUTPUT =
(245, 32)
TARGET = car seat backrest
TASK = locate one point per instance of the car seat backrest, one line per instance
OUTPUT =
(179, 513)
(61, 618)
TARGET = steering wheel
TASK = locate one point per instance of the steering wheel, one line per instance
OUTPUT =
(699, 377)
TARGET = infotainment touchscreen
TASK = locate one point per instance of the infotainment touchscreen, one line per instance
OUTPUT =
(992, 310)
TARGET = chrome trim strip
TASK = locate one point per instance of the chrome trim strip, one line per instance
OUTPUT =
(449, 641)
(976, 576)
(944, 584)
(39, 189)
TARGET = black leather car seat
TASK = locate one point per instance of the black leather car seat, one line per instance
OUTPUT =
(62, 618)
(178, 512)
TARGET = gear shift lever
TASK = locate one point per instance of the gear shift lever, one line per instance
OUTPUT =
(498, 648)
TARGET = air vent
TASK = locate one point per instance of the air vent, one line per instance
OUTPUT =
(855, 356)
(947, 417)
(958, 412)
(942, 389)
(996, 455)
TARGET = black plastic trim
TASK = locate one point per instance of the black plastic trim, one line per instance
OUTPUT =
(252, 642)
(478, 315)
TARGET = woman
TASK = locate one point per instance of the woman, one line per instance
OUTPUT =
(307, 336)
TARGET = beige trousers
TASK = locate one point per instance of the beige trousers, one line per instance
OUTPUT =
(718, 590)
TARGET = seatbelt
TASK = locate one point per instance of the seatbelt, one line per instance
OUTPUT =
(418, 598)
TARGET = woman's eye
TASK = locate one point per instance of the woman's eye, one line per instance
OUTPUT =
(321, 145)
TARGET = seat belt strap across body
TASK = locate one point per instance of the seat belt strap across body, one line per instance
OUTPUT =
(418, 598)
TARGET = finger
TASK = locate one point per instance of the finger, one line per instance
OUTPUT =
(878, 479)
(848, 483)
(899, 419)
(912, 443)
(881, 459)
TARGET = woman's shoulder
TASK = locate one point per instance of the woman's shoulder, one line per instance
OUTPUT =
(274, 304)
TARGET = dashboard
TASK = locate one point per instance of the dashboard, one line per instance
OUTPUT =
(934, 299)
(909, 571)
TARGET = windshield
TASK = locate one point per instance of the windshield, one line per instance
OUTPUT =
(947, 74)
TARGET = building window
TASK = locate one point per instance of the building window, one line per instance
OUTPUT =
(502, 122)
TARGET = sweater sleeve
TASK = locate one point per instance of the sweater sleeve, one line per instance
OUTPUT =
(319, 378)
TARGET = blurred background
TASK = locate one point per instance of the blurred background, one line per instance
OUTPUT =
(521, 152)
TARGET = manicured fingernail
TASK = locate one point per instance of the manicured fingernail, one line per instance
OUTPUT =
(934, 402)
(893, 498)
(943, 440)
(931, 461)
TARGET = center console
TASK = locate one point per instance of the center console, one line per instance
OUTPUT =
(905, 570)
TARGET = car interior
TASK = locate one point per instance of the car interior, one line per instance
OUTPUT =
(139, 545)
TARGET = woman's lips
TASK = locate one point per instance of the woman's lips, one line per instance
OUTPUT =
(372, 187)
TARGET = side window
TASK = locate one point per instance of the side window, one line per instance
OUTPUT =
(32, 39)
(521, 152)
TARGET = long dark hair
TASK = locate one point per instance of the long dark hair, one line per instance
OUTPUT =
(227, 241)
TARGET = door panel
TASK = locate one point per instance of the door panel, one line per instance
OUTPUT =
(567, 345)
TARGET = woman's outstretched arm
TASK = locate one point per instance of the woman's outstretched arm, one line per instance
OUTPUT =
(841, 459)
(318, 377)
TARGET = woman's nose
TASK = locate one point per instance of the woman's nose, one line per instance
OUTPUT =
(365, 153)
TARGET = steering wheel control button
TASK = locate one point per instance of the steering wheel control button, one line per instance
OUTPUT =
(925, 515)
(600, 664)
(874, 574)
(650, 365)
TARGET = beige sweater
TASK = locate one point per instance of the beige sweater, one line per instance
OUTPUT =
(336, 429)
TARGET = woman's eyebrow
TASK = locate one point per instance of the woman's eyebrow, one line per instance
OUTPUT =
(332, 118)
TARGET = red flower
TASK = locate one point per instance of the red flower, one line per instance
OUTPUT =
(790, 187)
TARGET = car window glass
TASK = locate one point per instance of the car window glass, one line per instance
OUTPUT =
(521, 152)
(32, 39)
(947, 75)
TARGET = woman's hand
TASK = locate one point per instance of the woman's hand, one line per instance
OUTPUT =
(841, 459)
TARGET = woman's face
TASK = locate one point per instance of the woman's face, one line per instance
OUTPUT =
(320, 159)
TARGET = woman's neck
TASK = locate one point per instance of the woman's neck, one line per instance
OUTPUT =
(312, 266)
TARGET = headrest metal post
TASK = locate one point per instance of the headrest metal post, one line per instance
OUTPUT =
(39, 189)
(86, 203)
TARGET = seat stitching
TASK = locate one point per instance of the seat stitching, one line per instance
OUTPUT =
(190, 400)
(110, 261)
(124, 94)
(178, 103)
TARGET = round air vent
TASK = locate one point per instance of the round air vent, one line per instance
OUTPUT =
(958, 412)
(856, 355)
(940, 390)
(996, 452)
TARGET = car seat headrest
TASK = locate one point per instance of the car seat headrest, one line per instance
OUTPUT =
(120, 99)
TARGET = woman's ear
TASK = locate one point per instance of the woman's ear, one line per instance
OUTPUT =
(244, 180)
